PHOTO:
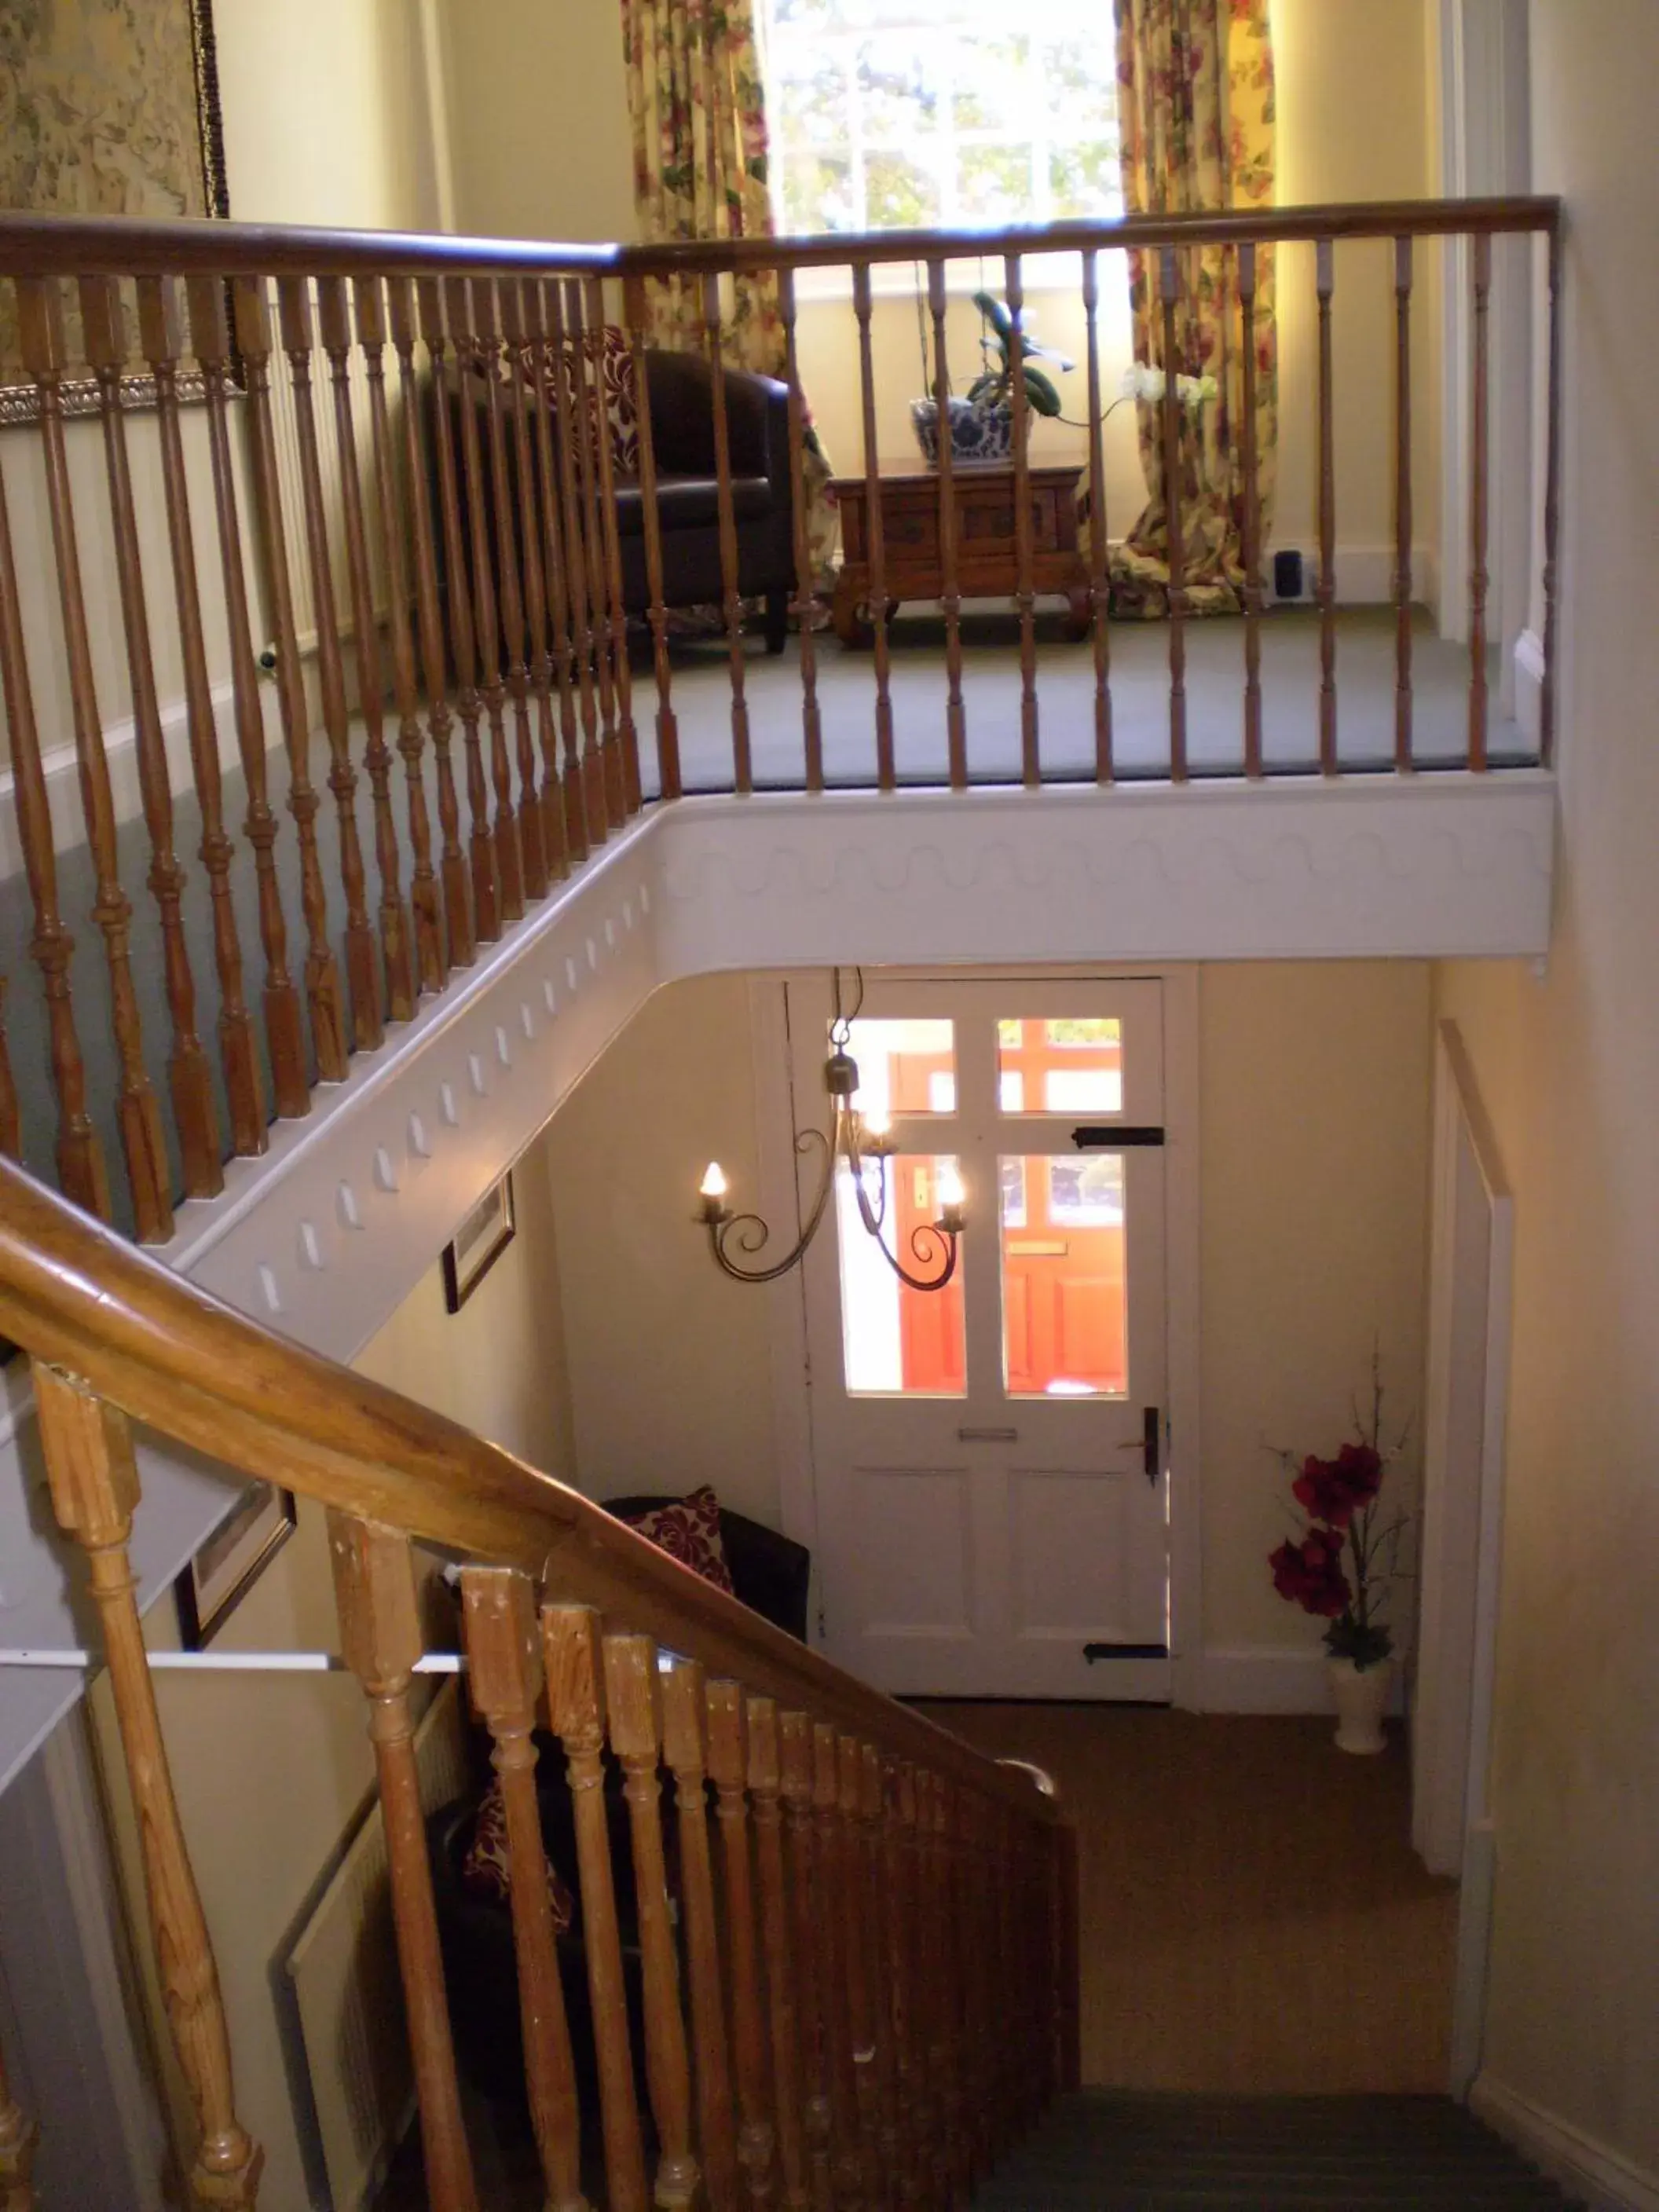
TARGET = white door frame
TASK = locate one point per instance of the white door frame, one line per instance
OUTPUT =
(778, 1113)
(1466, 1404)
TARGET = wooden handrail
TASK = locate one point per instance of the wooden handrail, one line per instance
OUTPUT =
(42, 245)
(80, 1298)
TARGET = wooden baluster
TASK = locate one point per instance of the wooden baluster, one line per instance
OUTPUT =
(881, 1969)
(18, 2136)
(1174, 524)
(805, 606)
(1099, 589)
(952, 2064)
(570, 400)
(605, 793)
(1325, 591)
(551, 798)
(12, 1124)
(505, 1677)
(81, 1173)
(875, 530)
(902, 1895)
(929, 2102)
(334, 323)
(328, 1030)
(728, 1768)
(633, 1698)
(162, 340)
(1252, 521)
(627, 790)
(1480, 380)
(668, 734)
(530, 845)
(40, 327)
(381, 1640)
(1025, 597)
(956, 720)
(685, 1753)
(463, 638)
(362, 982)
(459, 947)
(565, 794)
(93, 1477)
(856, 1903)
(964, 1811)
(1068, 2052)
(1402, 506)
(834, 1908)
(575, 1703)
(1013, 2081)
(430, 968)
(731, 604)
(1546, 694)
(765, 1779)
(190, 1078)
(476, 360)
(209, 341)
(807, 1883)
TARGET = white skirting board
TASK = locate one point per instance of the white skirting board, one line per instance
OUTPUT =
(1603, 2180)
(1258, 1678)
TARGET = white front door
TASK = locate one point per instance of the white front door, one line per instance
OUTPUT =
(989, 1459)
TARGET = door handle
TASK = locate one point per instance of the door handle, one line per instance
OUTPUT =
(988, 1436)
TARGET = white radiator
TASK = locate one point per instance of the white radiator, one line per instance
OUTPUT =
(343, 1973)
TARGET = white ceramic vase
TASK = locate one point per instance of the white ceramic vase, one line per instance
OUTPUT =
(1360, 1692)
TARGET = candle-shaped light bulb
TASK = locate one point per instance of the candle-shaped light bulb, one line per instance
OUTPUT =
(878, 1127)
(712, 1191)
(952, 1198)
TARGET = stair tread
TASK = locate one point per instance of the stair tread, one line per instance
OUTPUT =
(1105, 2150)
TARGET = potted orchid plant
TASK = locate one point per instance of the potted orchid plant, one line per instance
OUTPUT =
(1341, 1567)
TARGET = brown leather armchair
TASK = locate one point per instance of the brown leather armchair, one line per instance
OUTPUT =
(682, 443)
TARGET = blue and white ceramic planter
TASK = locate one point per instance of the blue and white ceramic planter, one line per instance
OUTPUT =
(979, 434)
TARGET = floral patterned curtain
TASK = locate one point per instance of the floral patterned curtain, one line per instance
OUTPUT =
(1195, 117)
(697, 104)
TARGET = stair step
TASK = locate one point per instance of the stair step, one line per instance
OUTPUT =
(1113, 2151)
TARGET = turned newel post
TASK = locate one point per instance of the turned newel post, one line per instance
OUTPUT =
(634, 1701)
(380, 1637)
(505, 1663)
(94, 1477)
(18, 2134)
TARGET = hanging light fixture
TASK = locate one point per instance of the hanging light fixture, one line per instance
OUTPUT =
(863, 1139)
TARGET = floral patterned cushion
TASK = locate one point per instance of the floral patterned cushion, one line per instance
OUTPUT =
(689, 1531)
(621, 391)
(487, 1870)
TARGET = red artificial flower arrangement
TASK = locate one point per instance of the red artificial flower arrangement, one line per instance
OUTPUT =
(1340, 1567)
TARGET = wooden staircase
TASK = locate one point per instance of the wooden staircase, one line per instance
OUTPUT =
(1099, 2150)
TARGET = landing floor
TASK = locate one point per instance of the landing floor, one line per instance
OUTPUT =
(1365, 678)
(1254, 1918)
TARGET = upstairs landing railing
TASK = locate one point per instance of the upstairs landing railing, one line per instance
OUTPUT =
(442, 592)
(872, 1990)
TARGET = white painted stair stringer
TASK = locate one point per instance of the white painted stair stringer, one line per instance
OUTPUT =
(325, 1235)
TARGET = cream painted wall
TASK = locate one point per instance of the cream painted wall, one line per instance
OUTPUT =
(1314, 1159)
(538, 108)
(273, 1771)
(1569, 1068)
(667, 1360)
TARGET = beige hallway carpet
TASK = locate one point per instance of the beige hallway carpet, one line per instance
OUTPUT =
(1254, 1918)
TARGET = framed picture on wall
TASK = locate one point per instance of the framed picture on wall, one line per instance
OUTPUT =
(231, 1560)
(112, 109)
(479, 1243)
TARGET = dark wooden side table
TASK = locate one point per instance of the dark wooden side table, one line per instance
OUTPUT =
(986, 559)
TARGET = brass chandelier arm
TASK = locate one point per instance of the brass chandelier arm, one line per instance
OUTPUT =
(749, 1233)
